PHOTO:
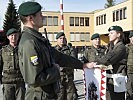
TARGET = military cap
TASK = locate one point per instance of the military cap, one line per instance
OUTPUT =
(96, 35)
(29, 8)
(11, 31)
(116, 28)
(59, 35)
(131, 34)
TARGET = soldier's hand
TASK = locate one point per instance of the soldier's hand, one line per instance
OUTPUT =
(89, 65)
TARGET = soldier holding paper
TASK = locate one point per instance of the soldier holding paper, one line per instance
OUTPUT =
(115, 56)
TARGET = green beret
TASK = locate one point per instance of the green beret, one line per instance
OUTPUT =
(116, 28)
(11, 31)
(59, 35)
(29, 8)
(94, 36)
(131, 34)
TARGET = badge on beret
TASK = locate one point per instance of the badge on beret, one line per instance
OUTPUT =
(111, 28)
(34, 60)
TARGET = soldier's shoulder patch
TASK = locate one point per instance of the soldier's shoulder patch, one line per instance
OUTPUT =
(34, 60)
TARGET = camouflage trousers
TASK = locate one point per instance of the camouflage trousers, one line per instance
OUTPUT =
(14, 91)
(130, 87)
(37, 93)
(67, 90)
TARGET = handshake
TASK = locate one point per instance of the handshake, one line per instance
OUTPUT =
(94, 65)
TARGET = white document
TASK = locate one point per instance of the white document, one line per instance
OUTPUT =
(119, 83)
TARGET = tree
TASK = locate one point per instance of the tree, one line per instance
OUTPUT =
(11, 18)
(109, 3)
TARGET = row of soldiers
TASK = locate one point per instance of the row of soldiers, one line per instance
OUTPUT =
(12, 80)
(118, 55)
(37, 64)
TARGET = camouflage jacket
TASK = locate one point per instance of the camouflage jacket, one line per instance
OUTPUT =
(66, 72)
(9, 64)
(92, 53)
(130, 58)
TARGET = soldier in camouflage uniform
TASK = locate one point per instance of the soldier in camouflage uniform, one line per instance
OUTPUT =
(13, 83)
(96, 50)
(67, 74)
(38, 61)
(130, 68)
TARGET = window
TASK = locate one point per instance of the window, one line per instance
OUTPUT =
(86, 21)
(72, 36)
(87, 37)
(96, 20)
(117, 15)
(81, 21)
(82, 37)
(104, 19)
(113, 16)
(101, 19)
(55, 20)
(77, 36)
(50, 21)
(45, 20)
(121, 14)
(76, 21)
(71, 21)
(124, 13)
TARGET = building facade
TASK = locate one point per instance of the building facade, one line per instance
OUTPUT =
(79, 26)
(120, 14)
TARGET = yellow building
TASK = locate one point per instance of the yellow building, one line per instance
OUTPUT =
(79, 26)
(120, 14)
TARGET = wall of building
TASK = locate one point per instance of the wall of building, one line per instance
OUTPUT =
(68, 29)
(126, 24)
(125, 21)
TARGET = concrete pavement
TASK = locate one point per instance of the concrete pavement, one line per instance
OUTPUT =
(78, 79)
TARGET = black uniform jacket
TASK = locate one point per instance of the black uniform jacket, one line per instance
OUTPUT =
(116, 56)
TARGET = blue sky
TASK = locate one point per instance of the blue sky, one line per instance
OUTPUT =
(54, 5)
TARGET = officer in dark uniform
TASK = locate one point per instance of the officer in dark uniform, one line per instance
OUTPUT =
(37, 64)
(96, 50)
(13, 83)
(67, 74)
(130, 68)
(115, 56)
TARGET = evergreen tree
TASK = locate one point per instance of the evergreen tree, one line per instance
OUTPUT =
(11, 18)
(109, 3)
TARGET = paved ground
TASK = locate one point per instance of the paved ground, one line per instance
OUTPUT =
(78, 79)
(78, 82)
(1, 98)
